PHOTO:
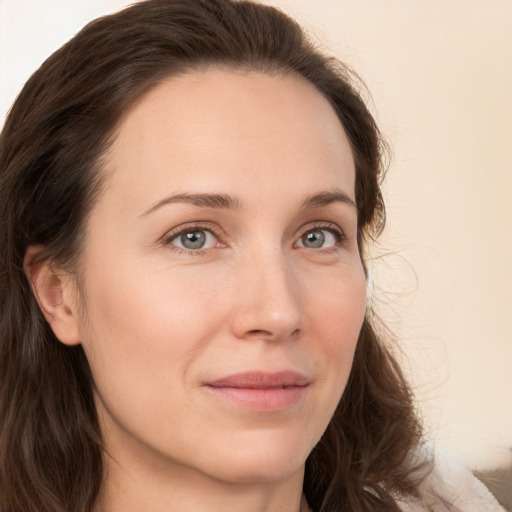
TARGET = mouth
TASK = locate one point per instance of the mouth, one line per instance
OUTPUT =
(261, 391)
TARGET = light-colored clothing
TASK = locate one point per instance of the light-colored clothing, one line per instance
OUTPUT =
(452, 488)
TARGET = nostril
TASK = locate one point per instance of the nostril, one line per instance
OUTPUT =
(260, 332)
(273, 336)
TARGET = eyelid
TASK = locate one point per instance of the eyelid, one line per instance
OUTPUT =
(218, 233)
(330, 226)
(170, 235)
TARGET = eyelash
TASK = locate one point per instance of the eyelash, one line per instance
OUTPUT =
(341, 238)
(197, 226)
(339, 235)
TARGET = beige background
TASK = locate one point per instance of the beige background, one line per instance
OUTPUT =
(440, 74)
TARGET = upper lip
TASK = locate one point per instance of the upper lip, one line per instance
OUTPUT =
(261, 380)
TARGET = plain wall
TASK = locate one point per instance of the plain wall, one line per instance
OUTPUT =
(440, 74)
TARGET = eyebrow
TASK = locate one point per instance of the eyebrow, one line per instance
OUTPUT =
(226, 202)
(328, 197)
(222, 201)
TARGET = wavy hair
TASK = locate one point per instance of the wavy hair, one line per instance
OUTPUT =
(51, 151)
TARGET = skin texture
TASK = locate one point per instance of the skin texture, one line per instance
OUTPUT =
(158, 322)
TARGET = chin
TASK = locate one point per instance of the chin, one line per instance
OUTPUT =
(259, 471)
(264, 459)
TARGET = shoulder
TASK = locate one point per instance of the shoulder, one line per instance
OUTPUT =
(451, 487)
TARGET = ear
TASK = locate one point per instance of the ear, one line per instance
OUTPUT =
(55, 292)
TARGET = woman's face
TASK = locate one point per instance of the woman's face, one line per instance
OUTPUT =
(223, 287)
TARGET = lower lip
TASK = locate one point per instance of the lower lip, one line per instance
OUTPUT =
(261, 399)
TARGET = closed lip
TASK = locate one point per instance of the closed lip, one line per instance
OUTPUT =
(261, 391)
(261, 380)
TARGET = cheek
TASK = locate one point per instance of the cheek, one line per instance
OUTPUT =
(157, 304)
(147, 329)
(337, 313)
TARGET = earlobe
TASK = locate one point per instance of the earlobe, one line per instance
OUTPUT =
(55, 292)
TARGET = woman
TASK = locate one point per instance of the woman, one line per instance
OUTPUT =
(187, 192)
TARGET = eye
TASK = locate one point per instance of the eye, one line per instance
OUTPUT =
(320, 238)
(194, 239)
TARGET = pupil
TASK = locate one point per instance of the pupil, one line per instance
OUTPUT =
(193, 239)
(313, 239)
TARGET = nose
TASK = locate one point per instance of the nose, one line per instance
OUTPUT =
(267, 303)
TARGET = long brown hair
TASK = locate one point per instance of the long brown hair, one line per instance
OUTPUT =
(50, 175)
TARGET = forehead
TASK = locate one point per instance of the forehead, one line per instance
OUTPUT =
(219, 128)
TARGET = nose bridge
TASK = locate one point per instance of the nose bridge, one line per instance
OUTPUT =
(268, 301)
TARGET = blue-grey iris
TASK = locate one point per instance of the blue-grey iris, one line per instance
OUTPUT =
(193, 239)
(313, 239)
